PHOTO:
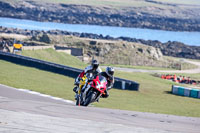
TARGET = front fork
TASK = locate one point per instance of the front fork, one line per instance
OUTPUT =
(86, 88)
(97, 99)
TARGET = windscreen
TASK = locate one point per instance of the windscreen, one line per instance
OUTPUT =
(102, 79)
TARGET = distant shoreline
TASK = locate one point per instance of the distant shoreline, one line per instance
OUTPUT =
(80, 14)
(188, 38)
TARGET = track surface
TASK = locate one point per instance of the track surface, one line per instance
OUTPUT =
(21, 112)
(196, 70)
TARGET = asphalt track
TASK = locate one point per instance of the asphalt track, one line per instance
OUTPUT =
(22, 112)
(196, 70)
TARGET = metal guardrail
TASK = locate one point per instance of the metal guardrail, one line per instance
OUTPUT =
(61, 69)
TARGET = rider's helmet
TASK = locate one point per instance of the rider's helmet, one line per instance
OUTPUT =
(110, 71)
(95, 64)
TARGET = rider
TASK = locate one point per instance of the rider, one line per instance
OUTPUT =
(110, 79)
(93, 69)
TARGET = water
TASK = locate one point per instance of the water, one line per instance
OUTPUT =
(190, 38)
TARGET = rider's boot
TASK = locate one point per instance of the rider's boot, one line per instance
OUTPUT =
(75, 89)
(106, 94)
(97, 100)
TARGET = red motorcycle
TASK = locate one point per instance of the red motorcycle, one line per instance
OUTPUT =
(93, 91)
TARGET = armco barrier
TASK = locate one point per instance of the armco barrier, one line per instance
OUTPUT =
(61, 69)
(184, 91)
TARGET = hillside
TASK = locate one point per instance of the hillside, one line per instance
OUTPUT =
(153, 14)
(56, 57)
(106, 51)
(38, 37)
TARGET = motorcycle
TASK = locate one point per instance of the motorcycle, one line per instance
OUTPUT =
(91, 91)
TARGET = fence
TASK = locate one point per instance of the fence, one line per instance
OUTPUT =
(33, 47)
(61, 69)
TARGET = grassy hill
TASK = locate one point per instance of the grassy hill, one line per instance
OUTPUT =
(56, 57)
(154, 95)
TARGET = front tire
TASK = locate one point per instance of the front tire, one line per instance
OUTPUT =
(78, 101)
(90, 98)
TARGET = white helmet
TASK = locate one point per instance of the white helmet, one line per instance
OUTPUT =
(110, 71)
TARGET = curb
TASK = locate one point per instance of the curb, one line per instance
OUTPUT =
(39, 94)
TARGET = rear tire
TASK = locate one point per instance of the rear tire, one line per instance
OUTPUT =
(90, 98)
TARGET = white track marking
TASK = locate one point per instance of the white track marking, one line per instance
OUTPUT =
(40, 94)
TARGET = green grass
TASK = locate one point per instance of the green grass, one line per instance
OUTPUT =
(56, 57)
(154, 95)
(37, 80)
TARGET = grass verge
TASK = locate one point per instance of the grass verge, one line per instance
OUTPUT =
(154, 96)
(37, 80)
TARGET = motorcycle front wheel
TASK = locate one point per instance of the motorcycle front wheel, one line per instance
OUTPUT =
(90, 98)
(78, 101)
